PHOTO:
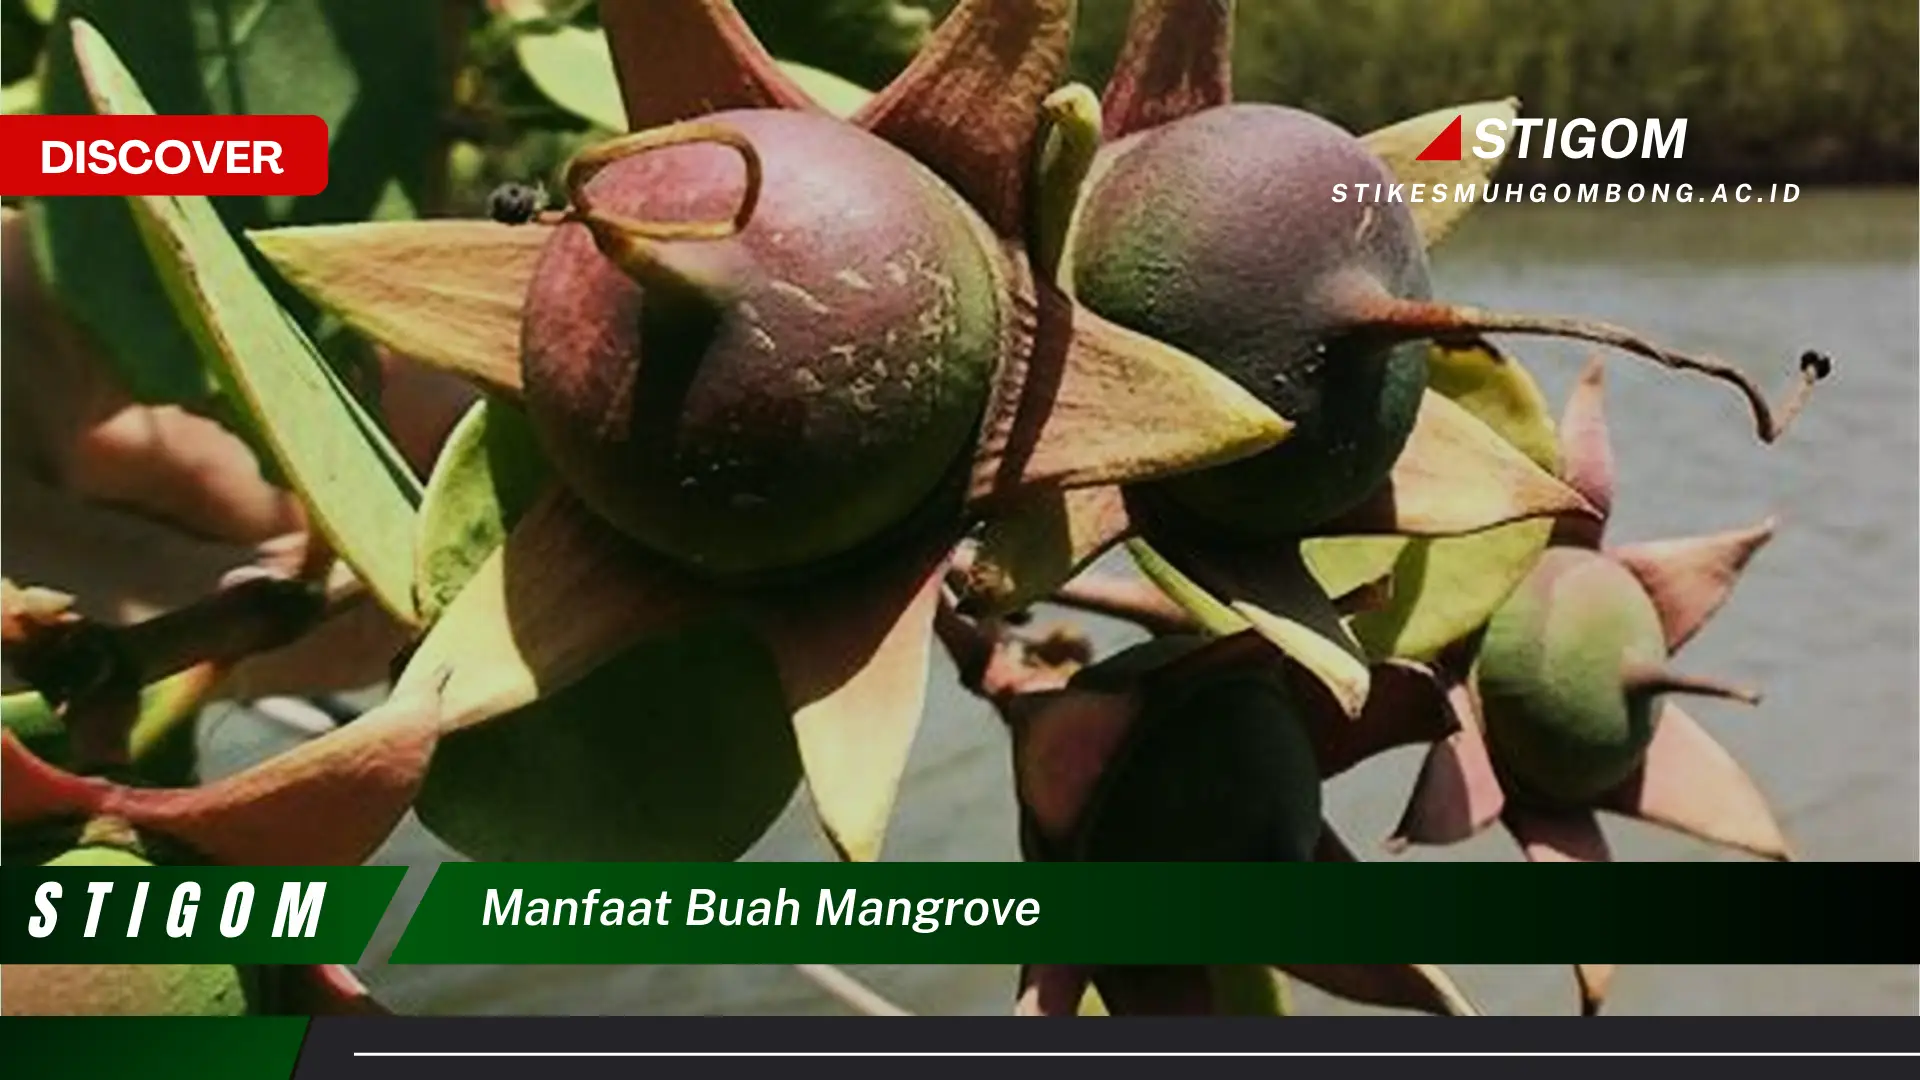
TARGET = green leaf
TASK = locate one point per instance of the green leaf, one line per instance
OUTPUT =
(573, 67)
(1443, 589)
(357, 487)
(370, 70)
(20, 98)
(489, 472)
(679, 748)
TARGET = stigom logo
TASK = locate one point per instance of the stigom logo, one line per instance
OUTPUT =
(1496, 137)
(1577, 138)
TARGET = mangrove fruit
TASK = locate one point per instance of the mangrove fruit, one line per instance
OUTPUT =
(1215, 234)
(1562, 717)
(782, 384)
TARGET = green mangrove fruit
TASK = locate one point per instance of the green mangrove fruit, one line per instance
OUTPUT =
(1570, 675)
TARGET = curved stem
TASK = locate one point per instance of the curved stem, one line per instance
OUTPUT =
(1415, 319)
(589, 162)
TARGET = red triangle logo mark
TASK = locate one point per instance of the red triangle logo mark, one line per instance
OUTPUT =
(1445, 146)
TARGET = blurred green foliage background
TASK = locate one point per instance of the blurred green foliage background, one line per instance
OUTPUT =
(1806, 90)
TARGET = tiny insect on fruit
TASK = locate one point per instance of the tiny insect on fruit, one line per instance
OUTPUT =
(516, 204)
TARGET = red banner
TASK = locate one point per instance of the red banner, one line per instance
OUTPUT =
(163, 155)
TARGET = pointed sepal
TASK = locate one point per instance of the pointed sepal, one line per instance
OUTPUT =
(967, 106)
(854, 660)
(1457, 794)
(445, 293)
(1690, 579)
(1443, 588)
(1691, 784)
(685, 58)
(1101, 404)
(1278, 597)
(1405, 705)
(1177, 60)
(1586, 453)
(563, 594)
(1456, 476)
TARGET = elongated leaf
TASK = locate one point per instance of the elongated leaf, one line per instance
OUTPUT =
(1445, 587)
(489, 472)
(361, 493)
(677, 749)
(574, 68)
(1400, 145)
(371, 71)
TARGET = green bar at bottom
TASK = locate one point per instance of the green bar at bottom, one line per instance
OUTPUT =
(153, 1047)
(1150, 913)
